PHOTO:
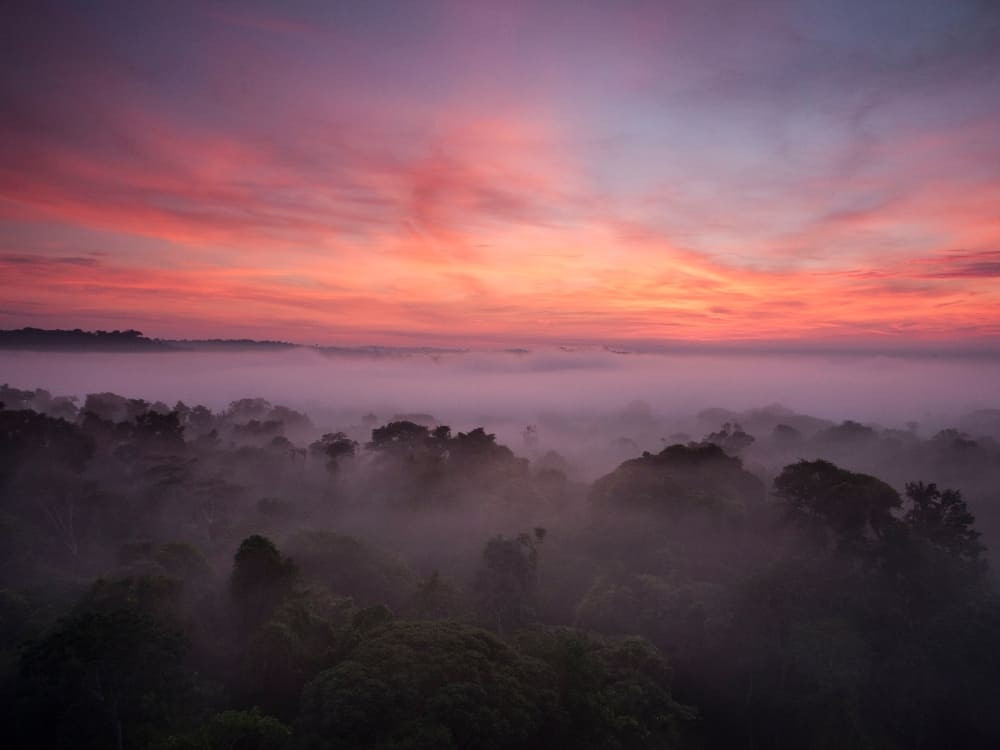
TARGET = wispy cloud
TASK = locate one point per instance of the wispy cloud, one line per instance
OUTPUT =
(511, 173)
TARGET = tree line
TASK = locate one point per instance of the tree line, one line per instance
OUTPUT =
(174, 577)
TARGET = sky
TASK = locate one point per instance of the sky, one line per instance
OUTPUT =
(504, 173)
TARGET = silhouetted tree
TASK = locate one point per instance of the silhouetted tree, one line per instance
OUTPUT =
(262, 578)
(103, 679)
(731, 438)
(505, 584)
(334, 448)
(823, 496)
(428, 684)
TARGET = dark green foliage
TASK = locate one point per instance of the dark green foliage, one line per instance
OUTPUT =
(612, 694)
(334, 448)
(32, 440)
(933, 555)
(15, 618)
(301, 638)
(262, 578)
(825, 497)
(433, 468)
(681, 615)
(784, 434)
(42, 490)
(731, 438)
(681, 480)
(400, 439)
(76, 339)
(17, 399)
(505, 583)
(477, 447)
(156, 596)
(246, 730)
(103, 678)
(107, 406)
(184, 562)
(793, 664)
(39, 400)
(428, 685)
(350, 567)
(942, 519)
(159, 432)
(232, 730)
(845, 614)
(436, 599)
(247, 409)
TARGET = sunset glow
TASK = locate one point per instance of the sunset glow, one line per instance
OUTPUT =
(521, 173)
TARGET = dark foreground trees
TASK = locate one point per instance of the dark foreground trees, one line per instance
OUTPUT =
(102, 679)
(182, 580)
(447, 685)
(428, 684)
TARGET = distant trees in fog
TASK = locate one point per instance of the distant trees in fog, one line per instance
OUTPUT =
(182, 578)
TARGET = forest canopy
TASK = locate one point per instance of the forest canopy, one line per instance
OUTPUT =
(178, 577)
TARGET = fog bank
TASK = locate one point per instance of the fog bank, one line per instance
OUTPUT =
(477, 385)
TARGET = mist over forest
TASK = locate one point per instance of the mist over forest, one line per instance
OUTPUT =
(554, 548)
(505, 390)
(482, 375)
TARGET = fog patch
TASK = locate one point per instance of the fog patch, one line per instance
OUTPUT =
(465, 387)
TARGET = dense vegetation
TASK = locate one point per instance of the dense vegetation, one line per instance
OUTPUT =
(175, 578)
(76, 339)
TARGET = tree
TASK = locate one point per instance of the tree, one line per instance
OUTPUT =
(435, 599)
(398, 438)
(824, 497)
(786, 435)
(31, 440)
(232, 730)
(262, 578)
(108, 406)
(349, 567)
(334, 447)
(934, 556)
(731, 438)
(477, 447)
(104, 678)
(846, 433)
(246, 409)
(300, 639)
(612, 693)
(41, 462)
(681, 480)
(161, 432)
(679, 616)
(505, 583)
(428, 685)
(943, 519)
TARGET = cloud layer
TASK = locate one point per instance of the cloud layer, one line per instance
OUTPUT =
(525, 173)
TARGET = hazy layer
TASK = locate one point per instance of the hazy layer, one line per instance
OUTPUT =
(465, 388)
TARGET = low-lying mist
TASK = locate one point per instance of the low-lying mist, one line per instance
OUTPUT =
(578, 401)
(757, 546)
(889, 389)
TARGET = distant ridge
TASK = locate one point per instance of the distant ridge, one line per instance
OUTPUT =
(228, 344)
(131, 340)
(77, 340)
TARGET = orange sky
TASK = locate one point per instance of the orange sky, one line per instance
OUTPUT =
(461, 174)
